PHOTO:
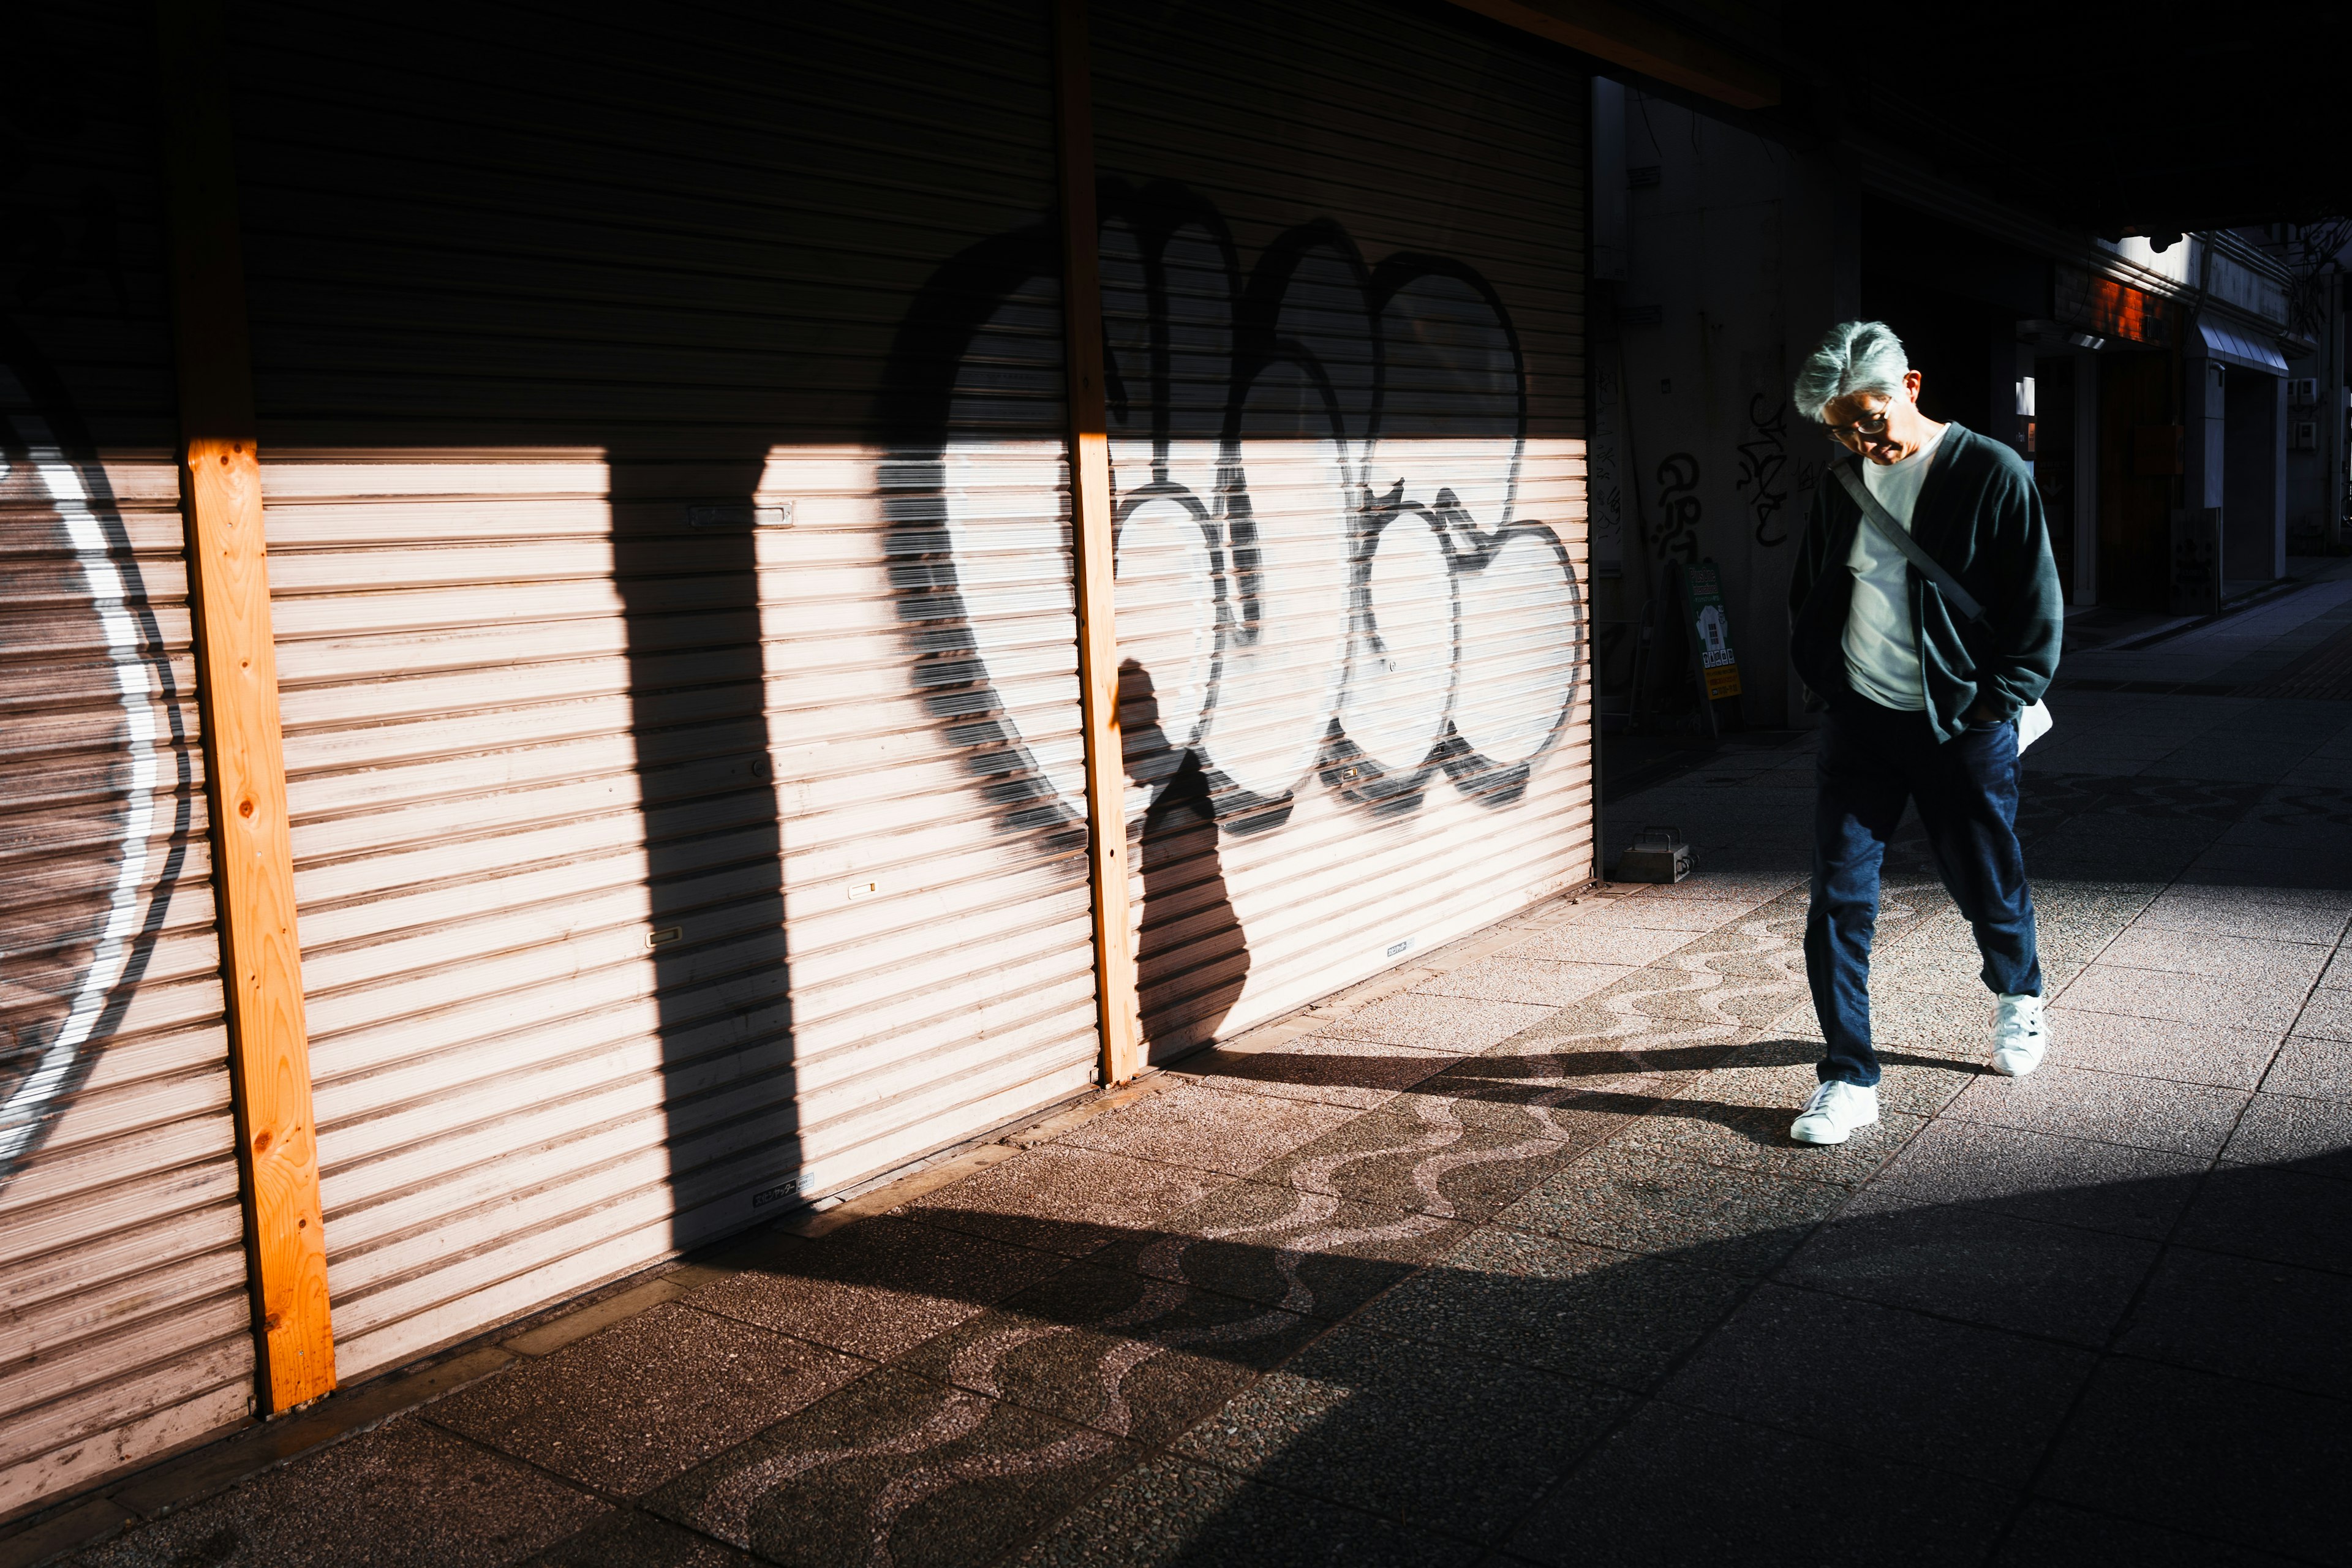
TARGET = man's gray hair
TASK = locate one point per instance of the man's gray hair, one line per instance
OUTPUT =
(1852, 356)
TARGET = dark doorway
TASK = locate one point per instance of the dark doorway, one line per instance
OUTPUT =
(2139, 462)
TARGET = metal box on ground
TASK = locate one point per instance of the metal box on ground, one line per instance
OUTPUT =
(1656, 855)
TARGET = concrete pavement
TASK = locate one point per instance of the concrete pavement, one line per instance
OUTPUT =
(1509, 1260)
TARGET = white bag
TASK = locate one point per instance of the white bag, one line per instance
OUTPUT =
(2033, 722)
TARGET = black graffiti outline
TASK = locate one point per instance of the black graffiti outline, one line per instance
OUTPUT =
(960, 301)
(1761, 458)
(1679, 509)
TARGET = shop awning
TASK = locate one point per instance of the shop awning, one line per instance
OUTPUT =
(2231, 346)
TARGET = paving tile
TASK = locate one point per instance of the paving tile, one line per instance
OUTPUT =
(1069, 1201)
(1172, 1512)
(1609, 1317)
(2314, 1068)
(1739, 1221)
(1358, 1074)
(2115, 1108)
(406, 1495)
(1311, 1252)
(2242, 1317)
(1743, 1137)
(1201, 1126)
(2281, 1130)
(2048, 1533)
(1135, 1356)
(2272, 914)
(1688, 913)
(2253, 1465)
(626, 1409)
(1973, 1401)
(2282, 1215)
(1517, 977)
(2339, 974)
(1437, 1438)
(1678, 1487)
(625, 1539)
(874, 1288)
(2328, 1015)
(2157, 1048)
(2064, 1181)
(1462, 1159)
(1976, 1266)
(2244, 959)
(1433, 1022)
(2199, 999)
(1613, 943)
(893, 1469)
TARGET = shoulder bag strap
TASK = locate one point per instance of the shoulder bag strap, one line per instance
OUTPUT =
(1849, 474)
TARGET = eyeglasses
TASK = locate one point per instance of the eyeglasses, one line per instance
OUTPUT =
(1858, 431)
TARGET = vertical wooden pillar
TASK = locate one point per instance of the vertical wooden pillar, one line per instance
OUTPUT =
(1090, 520)
(236, 676)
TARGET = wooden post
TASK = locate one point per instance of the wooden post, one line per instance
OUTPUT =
(1091, 531)
(236, 677)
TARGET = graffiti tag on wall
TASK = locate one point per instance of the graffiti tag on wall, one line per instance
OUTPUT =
(1321, 567)
(1762, 456)
(1679, 509)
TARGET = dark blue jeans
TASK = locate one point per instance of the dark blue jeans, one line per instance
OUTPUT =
(1872, 760)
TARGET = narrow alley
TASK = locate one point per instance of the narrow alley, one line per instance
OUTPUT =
(1507, 1257)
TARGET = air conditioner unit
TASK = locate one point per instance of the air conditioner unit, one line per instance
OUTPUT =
(2303, 434)
(2303, 390)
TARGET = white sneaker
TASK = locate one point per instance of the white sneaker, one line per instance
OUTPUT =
(2020, 1036)
(1835, 1110)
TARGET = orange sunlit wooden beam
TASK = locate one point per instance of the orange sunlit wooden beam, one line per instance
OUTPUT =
(1624, 36)
(1090, 532)
(236, 677)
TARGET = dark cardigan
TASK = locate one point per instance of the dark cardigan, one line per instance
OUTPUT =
(1979, 517)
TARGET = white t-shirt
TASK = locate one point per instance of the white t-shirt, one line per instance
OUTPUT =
(1881, 645)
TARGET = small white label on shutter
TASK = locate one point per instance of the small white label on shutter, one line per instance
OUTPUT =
(1398, 949)
(861, 889)
(739, 515)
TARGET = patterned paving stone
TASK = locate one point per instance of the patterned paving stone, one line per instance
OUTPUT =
(1172, 1511)
(1460, 1159)
(628, 1408)
(1609, 1317)
(1972, 1401)
(1357, 1074)
(2206, 1456)
(407, 1495)
(2242, 1317)
(2149, 1113)
(1433, 1022)
(1200, 1125)
(1640, 1500)
(1957, 1261)
(2064, 1181)
(1742, 1222)
(2315, 1135)
(2154, 1047)
(1305, 1251)
(875, 1287)
(1518, 978)
(1133, 1355)
(2312, 1068)
(631, 1539)
(1436, 1438)
(1070, 1201)
(895, 1469)
(2198, 999)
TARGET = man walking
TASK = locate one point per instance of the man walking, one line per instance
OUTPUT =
(1925, 612)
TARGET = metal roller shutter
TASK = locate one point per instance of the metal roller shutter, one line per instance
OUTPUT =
(125, 1326)
(652, 458)
(1343, 256)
